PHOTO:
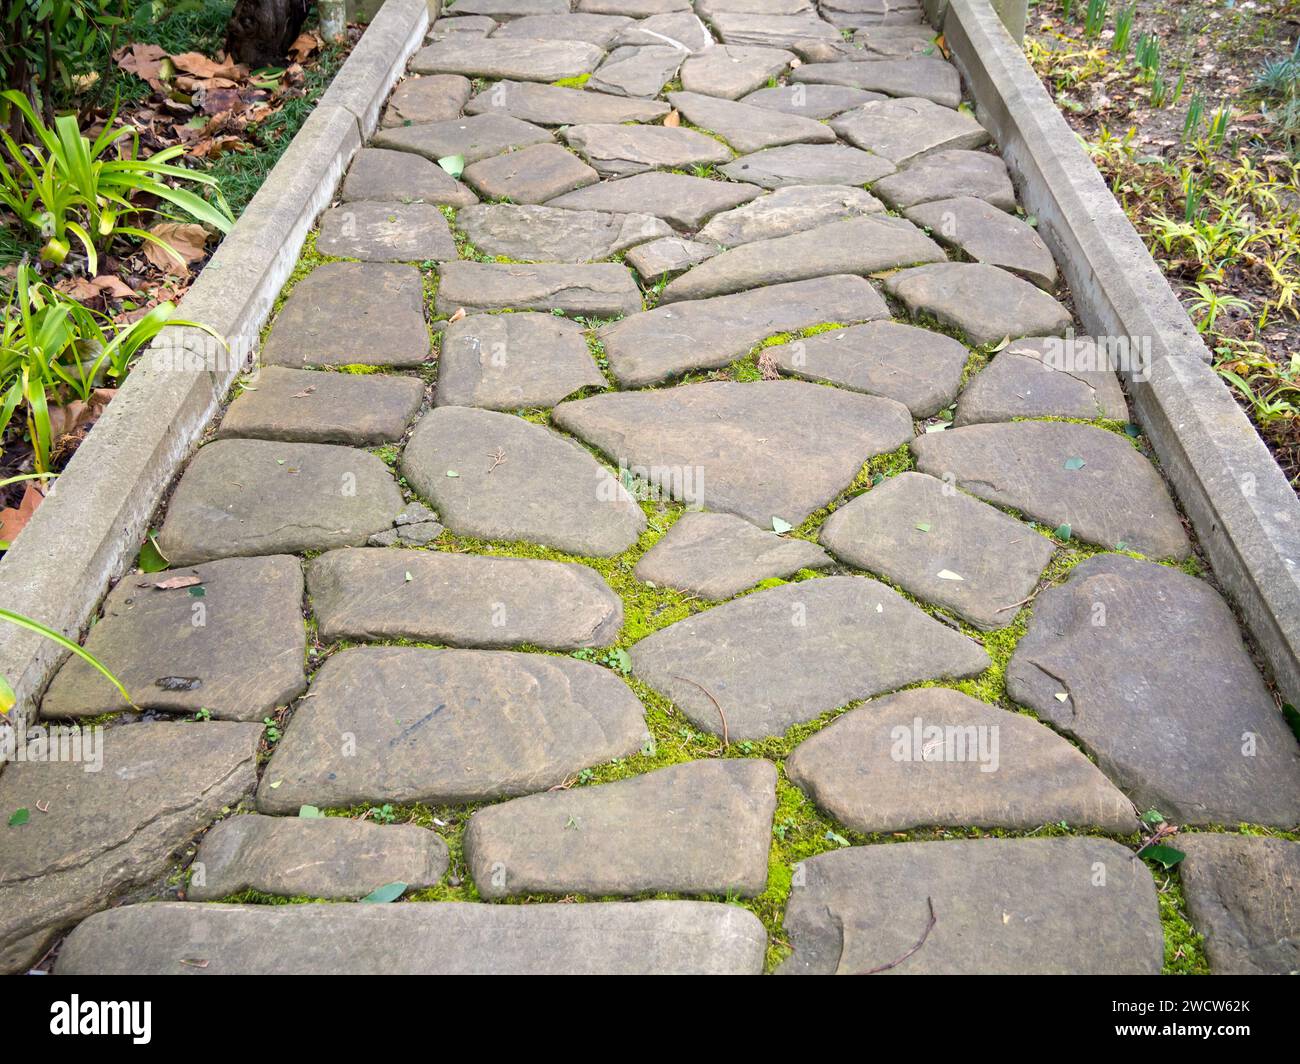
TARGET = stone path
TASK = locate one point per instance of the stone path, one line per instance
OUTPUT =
(673, 480)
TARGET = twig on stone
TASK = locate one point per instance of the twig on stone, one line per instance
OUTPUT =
(726, 741)
(498, 456)
(919, 943)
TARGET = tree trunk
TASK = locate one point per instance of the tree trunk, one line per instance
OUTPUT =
(260, 31)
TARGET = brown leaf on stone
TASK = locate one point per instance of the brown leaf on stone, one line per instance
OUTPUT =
(673, 118)
(186, 239)
(460, 313)
(172, 583)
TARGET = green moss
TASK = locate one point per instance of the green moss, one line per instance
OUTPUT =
(572, 83)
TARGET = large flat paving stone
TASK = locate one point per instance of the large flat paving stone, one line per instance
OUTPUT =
(945, 174)
(667, 257)
(447, 726)
(253, 497)
(774, 31)
(374, 231)
(810, 101)
(901, 130)
(942, 546)
(639, 71)
(934, 757)
(507, 57)
(1240, 893)
(680, 28)
(361, 410)
(745, 128)
(709, 8)
(787, 655)
(989, 235)
(704, 827)
(352, 313)
(1001, 907)
(599, 30)
(1061, 473)
(472, 138)
(534, 233)
(679, 199)
(809, 164)
(513, 361)
(106, 833)
(620, 150)
(760, 449)
(716, 556)
(708, 333)
(985, 303)
(555, 105)
(400, 177)
(450, 25)
(594, 290)
(424, 938)
(792, 209)
(1044, 376)
(919, 368)
(859, 245)
(546, 489)
(632, 8)
(730, 71)
(321, 857)
(919, 76)
(530, 175)
(1188, 728)
(417, 100)
(461, 600)
(504, 11)
(236, 648)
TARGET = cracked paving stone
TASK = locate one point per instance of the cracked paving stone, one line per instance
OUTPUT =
(599, 30)
(667, 258)
(444, 727)
(760, 449)
(374, 231)
(530, 175)
(703, 827)
(787, 655)
(1187, 725)
(550, 234)
(809, 164)
(933, 757)
(507, 57)
(716, 556)
(902, 130)
(897, 40)
(400, 177)
(681, 28)
(788, 210)
(545, 489)
(618, 150)
(988, 235)
(475, 25)
(320, 857)
(590, 290)
(928, 78)
(254, 497)
(243, 661)
(745, 128)
(461, 600)
(1001, 906)
(874, 14)
(729, 71)
(772, 31)
(942, 546)
(1060, 473)
(947, 174)
(811, 101)
(555, 105)
(637, 71)
(417, 101)
(473, 138)
(680, 200)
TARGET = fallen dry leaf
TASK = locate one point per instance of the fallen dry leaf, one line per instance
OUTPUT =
(14, 519)
(673, 118)
(307, 44)
(85, 289)
(460, 313)
(186, 239)
(172, 583)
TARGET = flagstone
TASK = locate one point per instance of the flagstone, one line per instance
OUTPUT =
(903, 129)
(472, 138)
(555, 105)
(809, 164)
(509, 57)
(530, 175)
(745, 128)
(417, 100)
(988, 235)
(730, 71)
(792, 209)
(593, 290)
(945, 174)
(620, 150)
(549, 234)
(681, 200)
(400, 177)
(1044, 377)
(374, 231)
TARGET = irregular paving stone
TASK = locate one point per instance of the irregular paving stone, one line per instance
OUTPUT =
(400, 177)
(513, 361)
(730, 71)
(930, 79)
(679, 199)
(933, 757)
(897, 40)
(681, 28)
(507, 57)
(667, 257)
(417, 101)
(775, 31)
(709, 333)
(919, 368)
(716, 556)
(107, 833)
(987, 304)
(746, 128)
(912, 530)
(1001, 907)
(252, 497)
(428, 938)
(945, 174)
(759, 449)
(461, 600)
(809, 164)
(622, 150)
(1115, 497)
(554, 105)
(243, 660)
(549, 234)
(599, 30)
(637, 71)
(546, 489)
(386, 232)
(447, 726)
(1187, 727)
(1240, 892)
(860, 245)
(872, 13)
(507, 10)
(792, 209)
(709, 8)
(810, 101)
(321, 857)
(591, 290)
(415, 526)
(352, 313)
(473, 138)
(703, 827)
(901, 130)
(531, 175)
(297, 404)
(1044, 377)
(633, 8)
(477, 25)
(989, 235)
(780, 657)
